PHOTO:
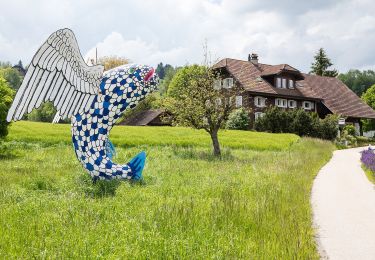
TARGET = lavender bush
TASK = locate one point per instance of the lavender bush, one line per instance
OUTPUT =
(368, 159)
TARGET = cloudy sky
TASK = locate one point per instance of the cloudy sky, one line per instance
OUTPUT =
(174, 31)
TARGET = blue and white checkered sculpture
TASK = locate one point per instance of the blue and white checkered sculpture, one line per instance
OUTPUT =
(92, 99)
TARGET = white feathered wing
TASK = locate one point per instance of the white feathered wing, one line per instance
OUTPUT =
(58, 74)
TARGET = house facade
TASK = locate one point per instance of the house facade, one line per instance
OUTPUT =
(264, 85)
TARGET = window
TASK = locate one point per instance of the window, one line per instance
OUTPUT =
(291, 83)
(308, 105)
(238, 101)
(280, 102)
(217, 84)
(258, 115)
(228, 83)
(292, 103)
(278, 82)
(284, 83)
(260, 101)
(218, 102)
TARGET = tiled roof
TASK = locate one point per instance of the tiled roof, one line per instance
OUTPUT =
(142, 118)
(335, 95)
(276, 69)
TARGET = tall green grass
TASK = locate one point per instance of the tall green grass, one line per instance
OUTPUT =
(251, 204)
(126, 136)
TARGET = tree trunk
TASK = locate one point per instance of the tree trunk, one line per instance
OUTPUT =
(215, 143)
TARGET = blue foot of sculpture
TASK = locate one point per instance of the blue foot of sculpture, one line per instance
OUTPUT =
(137, 164)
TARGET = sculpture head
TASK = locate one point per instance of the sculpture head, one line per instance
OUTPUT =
(126, 85)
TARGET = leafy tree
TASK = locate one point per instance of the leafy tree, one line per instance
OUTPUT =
(369, 98)
(238, 120)
(195, 102)
(5, 64)
(358, 81)
(164, 84)
(6, 98)
(162, 70)
(12, 76)
(110, 62)
(45, 113)
(321, 64)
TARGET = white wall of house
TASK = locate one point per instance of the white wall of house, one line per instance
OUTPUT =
(369, 133)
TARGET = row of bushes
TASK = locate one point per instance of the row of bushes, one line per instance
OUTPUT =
(297, 121)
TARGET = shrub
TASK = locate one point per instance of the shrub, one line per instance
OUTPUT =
(303, 123)
(238, 120)
(350, 130)
(328, 127)
(297, 121)
(274, 120)
(6, 98)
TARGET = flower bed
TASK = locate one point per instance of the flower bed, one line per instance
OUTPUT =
(368, 159)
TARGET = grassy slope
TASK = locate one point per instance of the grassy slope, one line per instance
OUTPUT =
(369, 174)
(251, 204)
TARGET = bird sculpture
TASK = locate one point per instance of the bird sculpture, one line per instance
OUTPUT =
(93, 100)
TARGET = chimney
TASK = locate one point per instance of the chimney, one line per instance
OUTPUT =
(253, 58)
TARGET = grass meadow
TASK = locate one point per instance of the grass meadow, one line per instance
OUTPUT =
(253, 203)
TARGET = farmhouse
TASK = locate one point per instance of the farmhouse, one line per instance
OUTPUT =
(282, 85)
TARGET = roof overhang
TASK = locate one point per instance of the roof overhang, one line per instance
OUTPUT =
(283, 96)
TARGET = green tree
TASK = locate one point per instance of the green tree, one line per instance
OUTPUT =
(358, 81)
(369, 98)
(164, 84)
(321, 64)
(6, 98)
(194, 101)
(12, 76)
(5, 64)
(45, 113)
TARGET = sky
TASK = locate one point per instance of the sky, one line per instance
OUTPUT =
(175, 31)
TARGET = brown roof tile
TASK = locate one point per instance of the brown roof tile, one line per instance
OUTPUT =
(337, 97)
(142, 118)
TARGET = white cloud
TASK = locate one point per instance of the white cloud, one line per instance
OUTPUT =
(136, 50)
(173, 31)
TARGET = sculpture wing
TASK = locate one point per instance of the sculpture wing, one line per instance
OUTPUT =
(57, 73)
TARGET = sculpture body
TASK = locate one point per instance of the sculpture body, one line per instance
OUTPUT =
(94, 101)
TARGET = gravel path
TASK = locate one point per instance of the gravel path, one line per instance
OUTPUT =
(343, 202)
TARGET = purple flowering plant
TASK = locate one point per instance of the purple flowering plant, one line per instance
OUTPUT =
(368, 159)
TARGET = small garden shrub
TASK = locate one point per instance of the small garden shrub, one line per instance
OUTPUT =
(350, 130)
(238, 120)
(297, 121)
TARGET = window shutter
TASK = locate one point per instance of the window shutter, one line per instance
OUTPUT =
(278, 82)
(291, 83)
(284, 83)
(217, 84)
(238, 101)
(230, 82)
